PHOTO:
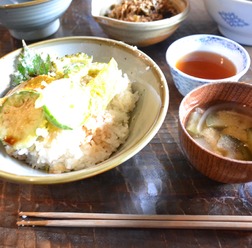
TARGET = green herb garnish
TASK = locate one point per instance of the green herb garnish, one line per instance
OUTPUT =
(30, 64)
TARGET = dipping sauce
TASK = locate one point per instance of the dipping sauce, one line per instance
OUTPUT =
(224, 128)
(206, 65)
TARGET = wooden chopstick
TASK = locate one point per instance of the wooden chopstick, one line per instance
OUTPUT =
(62, 219)
(74, 215)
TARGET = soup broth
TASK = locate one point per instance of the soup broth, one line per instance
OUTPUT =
(225, 129)
(206, 65)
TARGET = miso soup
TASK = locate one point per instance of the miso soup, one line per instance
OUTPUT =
(225, 129)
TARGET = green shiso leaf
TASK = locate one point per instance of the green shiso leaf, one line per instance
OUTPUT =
(30, 64)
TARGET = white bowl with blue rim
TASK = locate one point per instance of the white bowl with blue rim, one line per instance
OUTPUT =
(233, 17)
(205, 43)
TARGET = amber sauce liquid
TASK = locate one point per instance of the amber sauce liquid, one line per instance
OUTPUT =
(206, 65)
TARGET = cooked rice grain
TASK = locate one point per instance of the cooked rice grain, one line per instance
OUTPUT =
(61, 150)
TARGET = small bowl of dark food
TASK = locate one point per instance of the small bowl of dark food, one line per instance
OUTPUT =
(140, 23)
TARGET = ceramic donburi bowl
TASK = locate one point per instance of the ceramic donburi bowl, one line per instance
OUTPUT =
(147, 79)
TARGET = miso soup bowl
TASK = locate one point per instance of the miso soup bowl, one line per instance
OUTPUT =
(205, 43)
(215, 167)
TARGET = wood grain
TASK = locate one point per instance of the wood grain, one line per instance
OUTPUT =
(158, 180)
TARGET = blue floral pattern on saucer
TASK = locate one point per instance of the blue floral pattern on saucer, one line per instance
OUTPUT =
(232, 19)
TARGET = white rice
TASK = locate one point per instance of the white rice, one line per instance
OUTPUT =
(67, 150)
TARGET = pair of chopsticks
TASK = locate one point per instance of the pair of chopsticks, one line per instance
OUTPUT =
(68, 219)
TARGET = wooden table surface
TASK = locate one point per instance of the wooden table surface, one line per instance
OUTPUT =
(158, 180)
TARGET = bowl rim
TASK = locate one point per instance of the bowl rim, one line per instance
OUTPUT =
(158, 23)
(117, 158)
(240, 74)
(182, 125)
(22, 5)
(235, 1)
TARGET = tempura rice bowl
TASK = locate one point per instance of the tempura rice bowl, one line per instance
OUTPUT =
(147, 79)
